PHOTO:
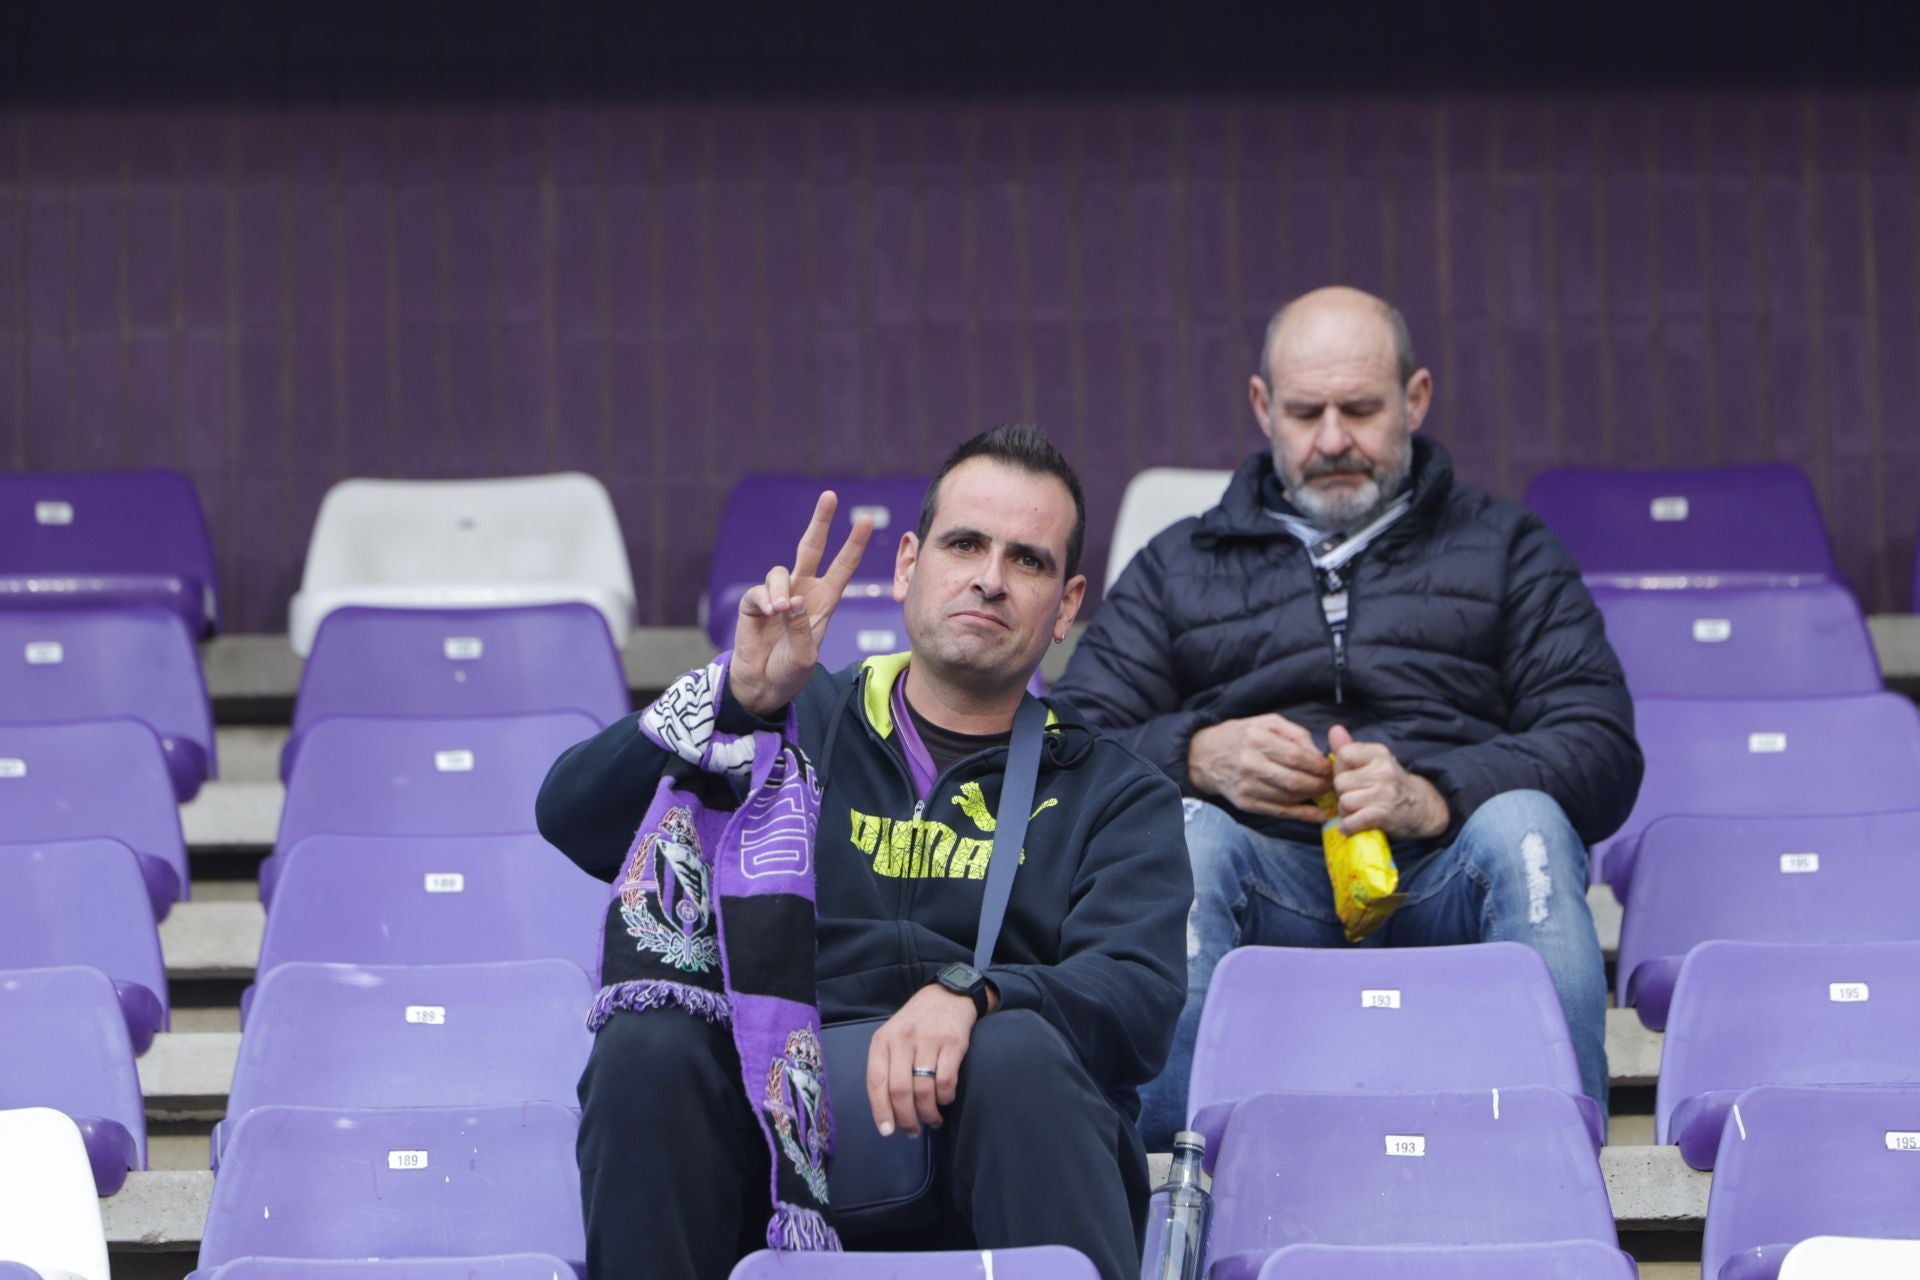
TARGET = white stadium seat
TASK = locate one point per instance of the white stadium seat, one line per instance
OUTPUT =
(1155, 499)
(465, 544)
(1851, 1258)
(49, 1212)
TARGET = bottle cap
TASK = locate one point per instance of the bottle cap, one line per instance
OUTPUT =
(1188, 1138)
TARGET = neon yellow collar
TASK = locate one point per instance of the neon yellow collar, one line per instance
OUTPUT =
(883, 671)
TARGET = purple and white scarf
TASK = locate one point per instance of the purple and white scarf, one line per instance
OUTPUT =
(717, 895)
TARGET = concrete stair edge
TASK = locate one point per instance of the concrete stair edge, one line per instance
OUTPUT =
(212, 940)
(158, 1212)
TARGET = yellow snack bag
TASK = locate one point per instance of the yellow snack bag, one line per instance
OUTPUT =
(1361, 868)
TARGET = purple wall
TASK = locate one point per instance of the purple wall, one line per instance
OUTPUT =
(277, 291)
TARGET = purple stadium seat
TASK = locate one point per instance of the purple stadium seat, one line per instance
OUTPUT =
(451, 1035)
(428, 1182)
(1765, 758)
(763, 519)
(86, 664)
(1802, 1162)
(1741, 642)
(1564, 1260)
(1497, 1166)
(83, 902)
(96, 778)
(1754, 1013)
(459, 662)
(368, 775)
(1840, 878)
(1711, 527)
(1038, 1262)
(1405, 1019)
(433, 900)
(516, 1266)
(106, 539)
(66, 1047)
(863, 626)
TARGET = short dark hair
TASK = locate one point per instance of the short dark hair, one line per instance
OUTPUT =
(1026, 447)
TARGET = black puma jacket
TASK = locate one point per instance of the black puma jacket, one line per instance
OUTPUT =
(1094, 939)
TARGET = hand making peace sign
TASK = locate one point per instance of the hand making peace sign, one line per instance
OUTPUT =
(777, 640)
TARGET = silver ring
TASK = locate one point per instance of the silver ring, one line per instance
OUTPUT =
(925, 1073)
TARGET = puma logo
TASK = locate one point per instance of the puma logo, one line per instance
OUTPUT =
(974, 805)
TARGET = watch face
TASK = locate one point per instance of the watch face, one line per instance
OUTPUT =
(959, 976)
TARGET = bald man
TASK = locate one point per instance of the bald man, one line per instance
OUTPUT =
(1349, 598)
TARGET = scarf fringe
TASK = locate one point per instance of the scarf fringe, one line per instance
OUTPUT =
(640, 996)
(794, 1229)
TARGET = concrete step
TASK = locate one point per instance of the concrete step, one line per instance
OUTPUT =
(218, 1017)
(1624, 1130)
(158, 1211)
(1607, 913)
(187, 1075)
(1633, 1052)
(229, 817)
(204, 941)
(249, 753)
(179, 1148)
(1652, 1189)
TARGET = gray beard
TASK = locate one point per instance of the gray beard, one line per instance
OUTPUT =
(1347, 512)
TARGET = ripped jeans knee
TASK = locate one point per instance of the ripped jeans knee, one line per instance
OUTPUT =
(1521, 846)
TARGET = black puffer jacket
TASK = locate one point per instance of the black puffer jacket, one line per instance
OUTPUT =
(1473, 650)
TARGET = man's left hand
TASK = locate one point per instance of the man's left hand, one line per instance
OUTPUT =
(932, 1030)
(1376, 794)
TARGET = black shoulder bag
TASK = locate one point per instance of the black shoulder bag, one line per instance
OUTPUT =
(884, 1184)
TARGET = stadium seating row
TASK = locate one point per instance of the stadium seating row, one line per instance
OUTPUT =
(420, 734)
(114, 539)
(420, 737)
(1748, 659)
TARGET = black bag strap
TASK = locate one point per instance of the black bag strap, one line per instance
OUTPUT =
(1010, 823)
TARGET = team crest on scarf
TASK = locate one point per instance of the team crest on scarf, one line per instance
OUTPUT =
(796, 1099)
(667, 900)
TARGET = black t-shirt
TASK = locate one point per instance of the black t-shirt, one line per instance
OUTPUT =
(946, 746)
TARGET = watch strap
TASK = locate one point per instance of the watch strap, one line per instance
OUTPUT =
(975, 991)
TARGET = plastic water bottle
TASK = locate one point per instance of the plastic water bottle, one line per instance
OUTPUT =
(1177, 1215)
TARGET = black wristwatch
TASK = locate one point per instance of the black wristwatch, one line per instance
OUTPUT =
(965, 980)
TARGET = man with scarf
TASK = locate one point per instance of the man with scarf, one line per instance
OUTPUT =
(764, 805)
(1351, 622)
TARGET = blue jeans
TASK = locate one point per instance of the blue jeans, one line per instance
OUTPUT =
(1251, 889)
